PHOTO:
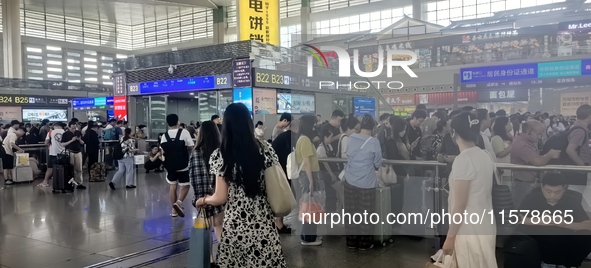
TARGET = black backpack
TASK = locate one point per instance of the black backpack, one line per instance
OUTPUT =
(560, 142)
(521, 251)
(176, 156)
(118, 151)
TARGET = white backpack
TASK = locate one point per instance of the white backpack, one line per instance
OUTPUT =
(293, 170)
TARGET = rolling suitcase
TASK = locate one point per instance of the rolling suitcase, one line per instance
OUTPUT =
(383, 208)
(22, 174)
(98, 170)
(61, 179)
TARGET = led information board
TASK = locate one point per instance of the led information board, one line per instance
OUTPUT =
(25, 100)
(180, 85)
(241, 73)
(363, 106)
(545, 74)
(93, 103)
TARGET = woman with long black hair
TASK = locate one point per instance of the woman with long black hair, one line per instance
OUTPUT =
(249, 235)
(202, 181)
(126, 167)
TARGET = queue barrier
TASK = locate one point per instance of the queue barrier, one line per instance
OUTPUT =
(436, 185)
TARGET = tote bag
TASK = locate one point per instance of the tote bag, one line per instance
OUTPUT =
(200, 242)
(279, 192)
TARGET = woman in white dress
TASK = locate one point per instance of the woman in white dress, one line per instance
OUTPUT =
(470, 187)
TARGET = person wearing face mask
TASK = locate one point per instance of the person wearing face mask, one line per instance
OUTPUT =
(470, 191)
(364, 157)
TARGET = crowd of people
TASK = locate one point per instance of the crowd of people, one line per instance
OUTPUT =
(224, 167)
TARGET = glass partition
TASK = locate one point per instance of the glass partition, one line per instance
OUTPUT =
(208, 102)
(225, 97)
(157, 108)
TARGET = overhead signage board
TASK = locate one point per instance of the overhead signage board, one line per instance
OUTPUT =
(363, 106)
(579, 25)
(93, 103)
(32, 100)
(119, 84)
(499, 73)
(545, 74)
(503, 95)
(181, 84)
(259, 20)
(241, 73)
(265, 78)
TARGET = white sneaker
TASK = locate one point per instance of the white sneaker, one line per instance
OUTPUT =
(318, 242)
(174, 214)
(178, 207)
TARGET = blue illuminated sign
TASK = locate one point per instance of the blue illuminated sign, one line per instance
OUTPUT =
(586, 67)
(243, 95)
(92, 102)
(559, 69)
(182, 84)
(363, 106)
(499, 73)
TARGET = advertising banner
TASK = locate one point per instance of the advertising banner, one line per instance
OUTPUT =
(265, 101)
(303, 104)
(53, 115)
(9, 113)
(120, 107)
(119, 84)
(400, 100)
(570, 102)
(258, 20)
(442, 98)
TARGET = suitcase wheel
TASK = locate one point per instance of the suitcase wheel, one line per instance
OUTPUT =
(384, 244)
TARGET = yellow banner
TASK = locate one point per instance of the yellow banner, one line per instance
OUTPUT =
(259, 20)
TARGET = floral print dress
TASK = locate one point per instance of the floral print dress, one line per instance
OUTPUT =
(249, 236)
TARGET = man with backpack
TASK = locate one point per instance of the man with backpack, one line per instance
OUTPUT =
(176, 145)
(113, 131)
(54, 141)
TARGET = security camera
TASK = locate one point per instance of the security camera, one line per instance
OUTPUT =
(171, 69)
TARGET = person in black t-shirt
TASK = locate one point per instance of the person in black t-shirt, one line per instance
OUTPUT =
(414, 132)
(72, 140)
(334, 127)
(559, 243)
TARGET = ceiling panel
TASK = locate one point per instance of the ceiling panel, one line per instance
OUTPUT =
(125, 12)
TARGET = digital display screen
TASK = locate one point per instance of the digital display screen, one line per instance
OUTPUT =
(296, 103)
(182, 84)
(53, 115)
(244, 96)
(363, 106)
(91, 103)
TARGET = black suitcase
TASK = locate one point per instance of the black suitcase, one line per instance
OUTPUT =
(521, 251)
(61, 179)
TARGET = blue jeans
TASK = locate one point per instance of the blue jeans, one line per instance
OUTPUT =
(309, 230)
(125, 168)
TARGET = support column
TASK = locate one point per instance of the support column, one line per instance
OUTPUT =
(13, 62)
(305, 22)
(418, 7)
(220, 25)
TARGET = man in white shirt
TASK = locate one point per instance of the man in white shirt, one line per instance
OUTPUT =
(9, 145)
(176, 162)
(54, 141)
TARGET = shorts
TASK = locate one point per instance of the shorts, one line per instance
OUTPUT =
(8, 161)
(51, 161)
(180, 177)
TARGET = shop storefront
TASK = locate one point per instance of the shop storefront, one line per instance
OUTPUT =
(510, 100)
(34, 108)
(445, 100)
(402, 104)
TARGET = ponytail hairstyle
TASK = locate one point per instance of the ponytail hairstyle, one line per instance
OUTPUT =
(351, 122)
(467, 126)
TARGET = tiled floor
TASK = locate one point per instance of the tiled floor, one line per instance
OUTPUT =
(41, 229)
